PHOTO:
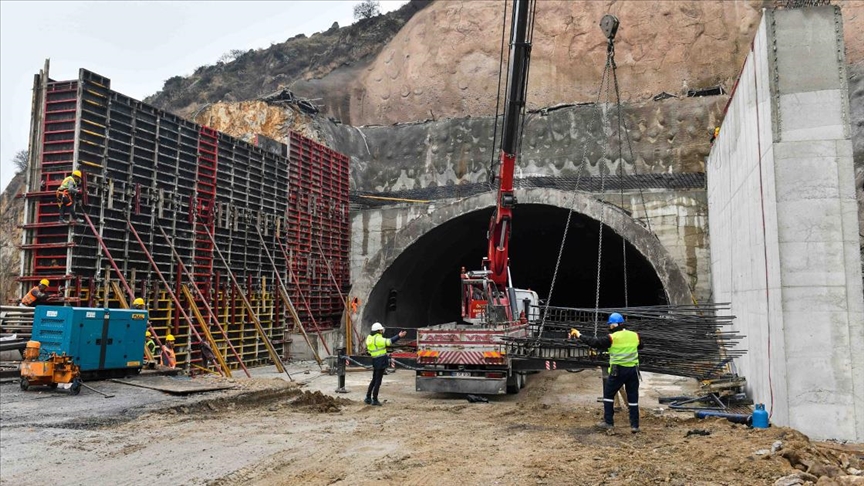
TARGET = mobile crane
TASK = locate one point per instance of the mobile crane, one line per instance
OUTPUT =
(471, 357)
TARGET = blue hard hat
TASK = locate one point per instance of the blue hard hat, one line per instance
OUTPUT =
(616, 318)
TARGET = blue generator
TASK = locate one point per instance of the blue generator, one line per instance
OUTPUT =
(101, 341)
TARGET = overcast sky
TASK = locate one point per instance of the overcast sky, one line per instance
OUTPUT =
(137, 45)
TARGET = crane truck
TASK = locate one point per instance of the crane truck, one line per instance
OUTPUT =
(471, 356)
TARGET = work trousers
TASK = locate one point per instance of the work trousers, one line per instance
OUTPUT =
(629, 379)
(67, 206)
(375, 384)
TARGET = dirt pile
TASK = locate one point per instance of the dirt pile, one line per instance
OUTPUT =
(318, 402)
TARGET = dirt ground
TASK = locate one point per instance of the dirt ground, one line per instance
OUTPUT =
(268, 431)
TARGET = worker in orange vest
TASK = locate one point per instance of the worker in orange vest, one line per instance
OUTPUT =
(169, 358)
(37, 295)
(67, 193)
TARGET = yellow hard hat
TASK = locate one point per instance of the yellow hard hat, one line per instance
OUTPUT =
(44, 282)
(169, 337)
(76, 173)
(147, 334)
(138, 301)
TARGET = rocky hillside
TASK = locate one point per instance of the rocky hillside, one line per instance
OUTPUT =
(441, 60)
(319, 66)
(11, 216)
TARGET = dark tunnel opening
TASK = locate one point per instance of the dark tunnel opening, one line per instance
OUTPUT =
(421, 287)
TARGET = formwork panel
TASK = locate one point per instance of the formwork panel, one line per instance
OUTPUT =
(158, 172)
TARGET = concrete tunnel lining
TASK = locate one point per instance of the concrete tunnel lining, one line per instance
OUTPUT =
(374, 291)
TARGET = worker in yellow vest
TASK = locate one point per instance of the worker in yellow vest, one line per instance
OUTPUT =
(377, 344)
(67, 193)
(623, 346)
(37, 295)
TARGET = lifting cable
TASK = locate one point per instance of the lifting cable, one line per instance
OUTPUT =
(529, 42)
(604, 82)
(494, 159)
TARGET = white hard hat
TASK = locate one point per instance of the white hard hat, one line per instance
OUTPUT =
(377, 327)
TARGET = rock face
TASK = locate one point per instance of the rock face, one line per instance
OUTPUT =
(445, 62)
(11, 216)
(442, 60)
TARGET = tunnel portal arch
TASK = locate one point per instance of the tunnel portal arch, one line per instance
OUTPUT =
(411, 281)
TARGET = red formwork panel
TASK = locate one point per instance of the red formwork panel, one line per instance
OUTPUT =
(318, 230)
(49, 241)
(205, 201)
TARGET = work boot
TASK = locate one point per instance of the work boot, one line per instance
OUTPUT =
(376, 403)
(603, 425)
(367, 401)
(634, 430)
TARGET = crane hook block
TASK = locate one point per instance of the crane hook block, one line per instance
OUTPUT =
(609, 26)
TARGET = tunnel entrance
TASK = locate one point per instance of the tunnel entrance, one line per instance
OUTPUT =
(421, 286)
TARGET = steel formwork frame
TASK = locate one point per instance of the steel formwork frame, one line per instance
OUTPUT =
(160, 172)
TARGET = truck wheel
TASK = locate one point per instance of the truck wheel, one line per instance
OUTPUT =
(24, 384)
(76, 387)
(522, 379)
(513, 384)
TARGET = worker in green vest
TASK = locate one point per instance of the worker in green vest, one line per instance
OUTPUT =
(623, 346)
(67, 194)
(377, 344)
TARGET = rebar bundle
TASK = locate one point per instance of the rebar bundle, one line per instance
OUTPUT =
(693, 341)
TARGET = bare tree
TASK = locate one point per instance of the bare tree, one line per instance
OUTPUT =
(231, 55)
(20, 159)
(367, 9)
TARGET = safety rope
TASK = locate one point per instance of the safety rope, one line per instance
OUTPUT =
(369, 367)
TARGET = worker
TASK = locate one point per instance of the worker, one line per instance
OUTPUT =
(67, 194)
(623, 346)
(477, 292)
(714, 134)
(377, 344)
(355, 304)
(138, 303)
(37, 295)
(169, 357)
(149, 349)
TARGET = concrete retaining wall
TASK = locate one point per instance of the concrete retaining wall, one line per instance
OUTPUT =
(783, 222)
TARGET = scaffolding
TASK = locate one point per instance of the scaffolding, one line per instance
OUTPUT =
(172, 202)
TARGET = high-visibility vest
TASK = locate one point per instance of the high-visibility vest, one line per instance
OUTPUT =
(624, 350)
(150, 347)
(30, 297)
(169, 359)
(377, 344)
(67, 185)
